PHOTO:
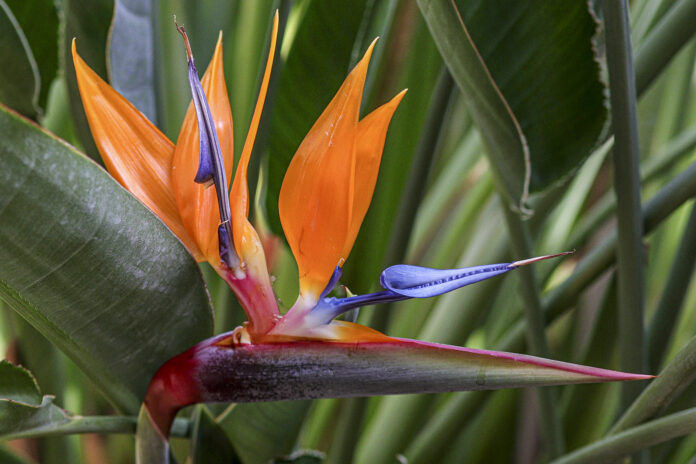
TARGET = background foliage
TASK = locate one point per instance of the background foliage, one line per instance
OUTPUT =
(504, 147)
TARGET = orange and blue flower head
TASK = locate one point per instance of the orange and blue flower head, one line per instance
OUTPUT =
(324, 197)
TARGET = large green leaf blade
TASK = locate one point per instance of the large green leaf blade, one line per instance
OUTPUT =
(88, 22)
(90, 267)
(529, 72)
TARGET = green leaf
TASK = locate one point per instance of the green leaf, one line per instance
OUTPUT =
(302, 457)
(88, 22)
(131, 53)
(22, 407)
(90, 267)
(263, 431)
(19, 73)
(39, 22)
(209, 443)
(316, 65)
(532, 82)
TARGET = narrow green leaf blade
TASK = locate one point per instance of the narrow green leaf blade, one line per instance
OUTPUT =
(209, 443)
(19, 73)
(39, 22)
(131, 52)
(87, 21)
(90, 267)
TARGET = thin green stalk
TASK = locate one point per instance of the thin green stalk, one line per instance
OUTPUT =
(344, 445)
(672, 381)
(101, 425)
(677, 192)
(635, 439)
(626, 157)
(520, 242)
(680, 146)
(663, 42)
(668, 309)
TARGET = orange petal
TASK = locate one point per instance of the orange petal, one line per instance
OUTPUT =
(134, 151)
(246, 241)
(197, 203)
(372, 131)
(316, 198)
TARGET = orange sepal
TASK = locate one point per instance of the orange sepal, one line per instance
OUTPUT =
(134, 151)
(198, 203)
(372, 132)
(316, 198)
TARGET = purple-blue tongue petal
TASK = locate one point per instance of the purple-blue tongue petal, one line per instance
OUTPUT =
(424, 282)
(211, 167)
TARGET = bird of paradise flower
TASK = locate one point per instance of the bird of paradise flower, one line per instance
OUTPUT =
(324, 197)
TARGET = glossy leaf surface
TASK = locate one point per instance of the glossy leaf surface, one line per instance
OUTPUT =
(531, 80)
(90, 267)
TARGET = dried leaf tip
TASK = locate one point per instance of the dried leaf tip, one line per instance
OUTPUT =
(182, 31)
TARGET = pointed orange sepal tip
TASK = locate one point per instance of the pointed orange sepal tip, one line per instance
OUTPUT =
(134, 151)
(246, 240)
(197, 203)
(317, 195)
(372, 132)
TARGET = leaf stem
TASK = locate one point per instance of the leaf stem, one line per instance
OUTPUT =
(663, 42)
(668, 309)
(98, 424)
(671, 382)
(635, 439)
(520, 242)
(626, 157)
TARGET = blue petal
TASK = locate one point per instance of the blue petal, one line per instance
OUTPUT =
(329, 308)
(211, 167)
(335, 277)
(424, 282)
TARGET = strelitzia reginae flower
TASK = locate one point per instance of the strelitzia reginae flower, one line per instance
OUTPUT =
(326, 192)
